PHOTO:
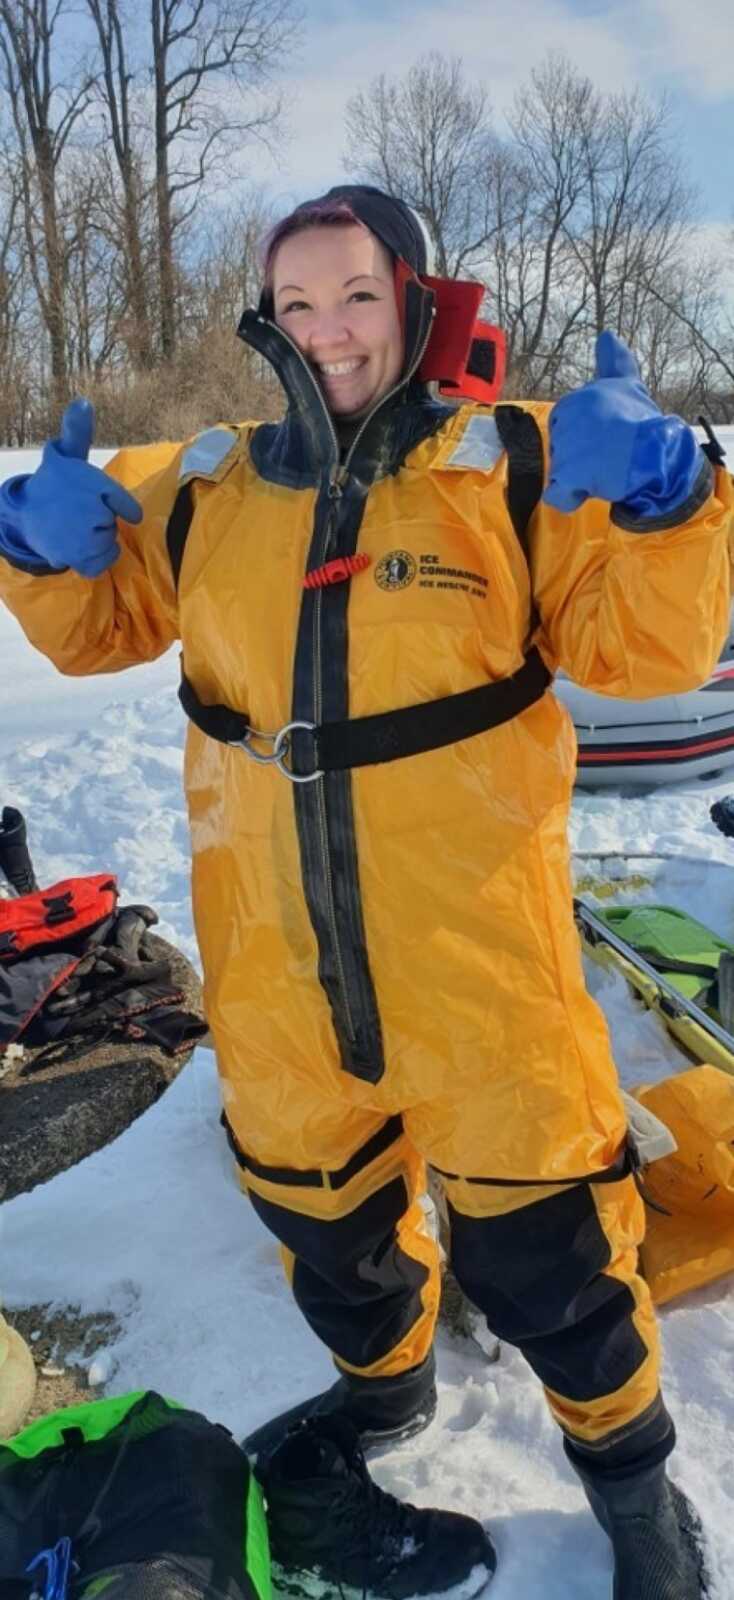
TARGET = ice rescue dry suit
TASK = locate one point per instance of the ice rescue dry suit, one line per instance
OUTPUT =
(392, 970)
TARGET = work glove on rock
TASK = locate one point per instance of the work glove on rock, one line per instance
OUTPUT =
(609, 441)
(64, 514)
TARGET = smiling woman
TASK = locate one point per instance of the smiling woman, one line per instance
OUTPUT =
(381, 888)
(333, 288)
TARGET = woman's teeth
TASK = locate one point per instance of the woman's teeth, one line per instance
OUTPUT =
(340, 369)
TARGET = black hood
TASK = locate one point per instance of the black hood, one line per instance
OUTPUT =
(388, 218)
(391, 221)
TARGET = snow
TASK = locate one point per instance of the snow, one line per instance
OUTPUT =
(155, 1229)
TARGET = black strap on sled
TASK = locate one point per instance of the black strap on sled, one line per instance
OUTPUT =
(690, 969)
(411, 730)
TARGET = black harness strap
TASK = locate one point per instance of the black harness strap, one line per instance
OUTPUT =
(522, 440)
(177, 531)
(314, 1177)
(217, 722)
(411, 730)
(624, 1166)
(389, 735)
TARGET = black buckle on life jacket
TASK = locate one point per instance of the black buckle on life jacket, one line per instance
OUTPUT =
(60, 909)
(8, 943)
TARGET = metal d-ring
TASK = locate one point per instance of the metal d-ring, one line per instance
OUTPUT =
(246, 745)
(281, 748)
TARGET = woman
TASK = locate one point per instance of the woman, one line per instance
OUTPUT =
(382, 901)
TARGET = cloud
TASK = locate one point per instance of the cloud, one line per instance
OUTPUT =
(696, 45)
(347, 54)
(619, 44)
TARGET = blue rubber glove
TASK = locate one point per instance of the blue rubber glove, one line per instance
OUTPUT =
(64, 514)
(609, 441)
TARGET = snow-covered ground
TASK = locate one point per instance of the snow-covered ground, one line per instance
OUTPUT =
(155, 1230)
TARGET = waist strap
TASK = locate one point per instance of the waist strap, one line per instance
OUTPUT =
(387, 736)
(317, 1178)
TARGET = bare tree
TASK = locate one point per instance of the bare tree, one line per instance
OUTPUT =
(198, 47)
(45, 112)
(576, 219)
(98, 301)
(113, 28)
(553, 123)
(428, 139)
(225, 268)
(14, 309)
(634, 208)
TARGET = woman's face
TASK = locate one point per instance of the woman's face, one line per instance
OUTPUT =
(334, 295)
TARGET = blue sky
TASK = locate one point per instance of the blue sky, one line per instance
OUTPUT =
(658, 45)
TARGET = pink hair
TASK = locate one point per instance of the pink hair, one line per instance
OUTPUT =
(312, 214)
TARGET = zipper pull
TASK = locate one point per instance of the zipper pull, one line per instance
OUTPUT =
(337, 571)
(335, 493)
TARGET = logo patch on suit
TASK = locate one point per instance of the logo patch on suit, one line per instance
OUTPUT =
(396, 570)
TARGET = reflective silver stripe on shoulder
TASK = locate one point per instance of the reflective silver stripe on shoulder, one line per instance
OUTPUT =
(479, 446)
(206, 453)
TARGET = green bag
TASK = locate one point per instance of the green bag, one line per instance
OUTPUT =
(681, 949)
(152, 1502)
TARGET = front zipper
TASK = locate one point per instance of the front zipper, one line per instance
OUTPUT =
(343, 472)
(335, 494)
(266, 322)
(338, 478)
(340, 472)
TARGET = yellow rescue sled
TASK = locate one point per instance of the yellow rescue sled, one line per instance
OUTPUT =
(683, 972)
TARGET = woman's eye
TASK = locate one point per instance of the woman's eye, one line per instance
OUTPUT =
(303, 305)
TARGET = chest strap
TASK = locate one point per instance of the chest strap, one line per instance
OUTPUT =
(313, 749)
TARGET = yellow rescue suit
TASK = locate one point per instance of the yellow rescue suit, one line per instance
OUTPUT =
(392, 970)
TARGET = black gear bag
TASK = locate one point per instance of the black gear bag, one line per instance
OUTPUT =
(133, 1498)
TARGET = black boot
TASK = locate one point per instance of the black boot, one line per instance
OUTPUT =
(334, 1533)
(383, 1410)
(655, 1533)
(15, 860)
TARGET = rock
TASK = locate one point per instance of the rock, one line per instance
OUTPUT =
(55, 1114)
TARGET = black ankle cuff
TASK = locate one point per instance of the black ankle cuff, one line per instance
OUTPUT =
(640, 1445)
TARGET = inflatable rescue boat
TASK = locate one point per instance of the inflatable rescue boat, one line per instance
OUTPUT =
(666, 740)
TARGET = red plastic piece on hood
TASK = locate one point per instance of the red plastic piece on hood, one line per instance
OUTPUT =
(484, 374)
(465, 356)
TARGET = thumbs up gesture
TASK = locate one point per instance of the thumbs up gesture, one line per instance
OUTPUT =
(64, 515)
(609, 441)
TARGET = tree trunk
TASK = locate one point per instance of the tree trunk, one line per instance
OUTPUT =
(141, 339)
(55, 272)
(166, 271)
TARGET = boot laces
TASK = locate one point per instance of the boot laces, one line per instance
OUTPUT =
(376, 1527)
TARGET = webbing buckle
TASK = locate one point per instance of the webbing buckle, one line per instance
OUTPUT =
(281, 745)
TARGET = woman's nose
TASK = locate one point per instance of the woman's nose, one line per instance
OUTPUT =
(327, 330)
